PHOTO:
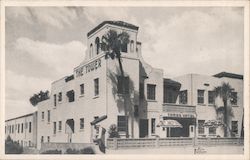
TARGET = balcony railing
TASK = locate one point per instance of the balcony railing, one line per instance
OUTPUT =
(167, 107)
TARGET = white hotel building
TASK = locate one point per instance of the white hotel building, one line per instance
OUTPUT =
(81, 105)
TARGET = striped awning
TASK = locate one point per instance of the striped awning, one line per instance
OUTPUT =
(170, 123)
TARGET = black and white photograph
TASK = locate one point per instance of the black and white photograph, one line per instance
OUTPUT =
(125, 80)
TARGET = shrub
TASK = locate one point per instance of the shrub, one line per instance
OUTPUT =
(87, 150)
(113, 133)
(12, 147)
(55, 151)
(72, 151)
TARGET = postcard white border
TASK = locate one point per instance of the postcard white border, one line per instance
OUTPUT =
(122, 3)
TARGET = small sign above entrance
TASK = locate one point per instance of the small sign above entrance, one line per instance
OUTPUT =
(180, 115)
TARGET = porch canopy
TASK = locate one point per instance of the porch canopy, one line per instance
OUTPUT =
(169, 123)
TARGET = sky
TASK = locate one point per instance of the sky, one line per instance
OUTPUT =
(44, 44)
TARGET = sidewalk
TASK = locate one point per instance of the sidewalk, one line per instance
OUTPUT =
(180, 150)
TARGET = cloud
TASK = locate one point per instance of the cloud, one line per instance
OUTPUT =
(61, 58)
(58, 17)
(19, 88)
(98, 14)
(193, 41)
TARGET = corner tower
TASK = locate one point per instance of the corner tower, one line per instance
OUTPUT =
(95, 37)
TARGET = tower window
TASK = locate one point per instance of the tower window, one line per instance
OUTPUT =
(132, 46)
(97, 45)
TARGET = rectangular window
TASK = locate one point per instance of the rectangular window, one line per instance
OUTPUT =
(30, 127)
(200, 96)
(54, 99)
(71, 96)
(81, 123)
(235, 128)
(22, 128)
(122, 85)
(151, 91)
(48, 115)
(96, 86)
(82, 89)
(54, 128)
(124, 47)
(201, 129)
(41, 139)
(59, 96)
(60, 125)
(122, 123)
(141, 90)
(42, 115)
(211, 97)
(18, 129)
(183, 97)
(152, 125)
(48, 138)
(212, 130)
(234, 98)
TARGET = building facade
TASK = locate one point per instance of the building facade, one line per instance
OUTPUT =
(23, 129)
(83, 106)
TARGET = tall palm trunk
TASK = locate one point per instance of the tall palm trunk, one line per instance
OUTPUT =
(225, 118)
(124, 95)
(227, 132)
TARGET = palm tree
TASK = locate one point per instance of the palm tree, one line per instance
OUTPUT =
(225, 93)
(112, 44)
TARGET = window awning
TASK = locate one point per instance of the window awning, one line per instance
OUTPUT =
(97, 120)
(170, 123)
(170, 82)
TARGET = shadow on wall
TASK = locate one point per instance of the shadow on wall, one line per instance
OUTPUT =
(134, 99)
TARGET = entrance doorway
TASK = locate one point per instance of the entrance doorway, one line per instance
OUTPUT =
(143, 130)
(191, 131)
(69, 129)
(186, 131)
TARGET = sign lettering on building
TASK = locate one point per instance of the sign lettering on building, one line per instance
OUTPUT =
(88, 68)
(181, 115)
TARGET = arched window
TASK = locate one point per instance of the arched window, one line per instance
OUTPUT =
(103, 47)
(97, 45)
(91, 50)
(131, 46)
